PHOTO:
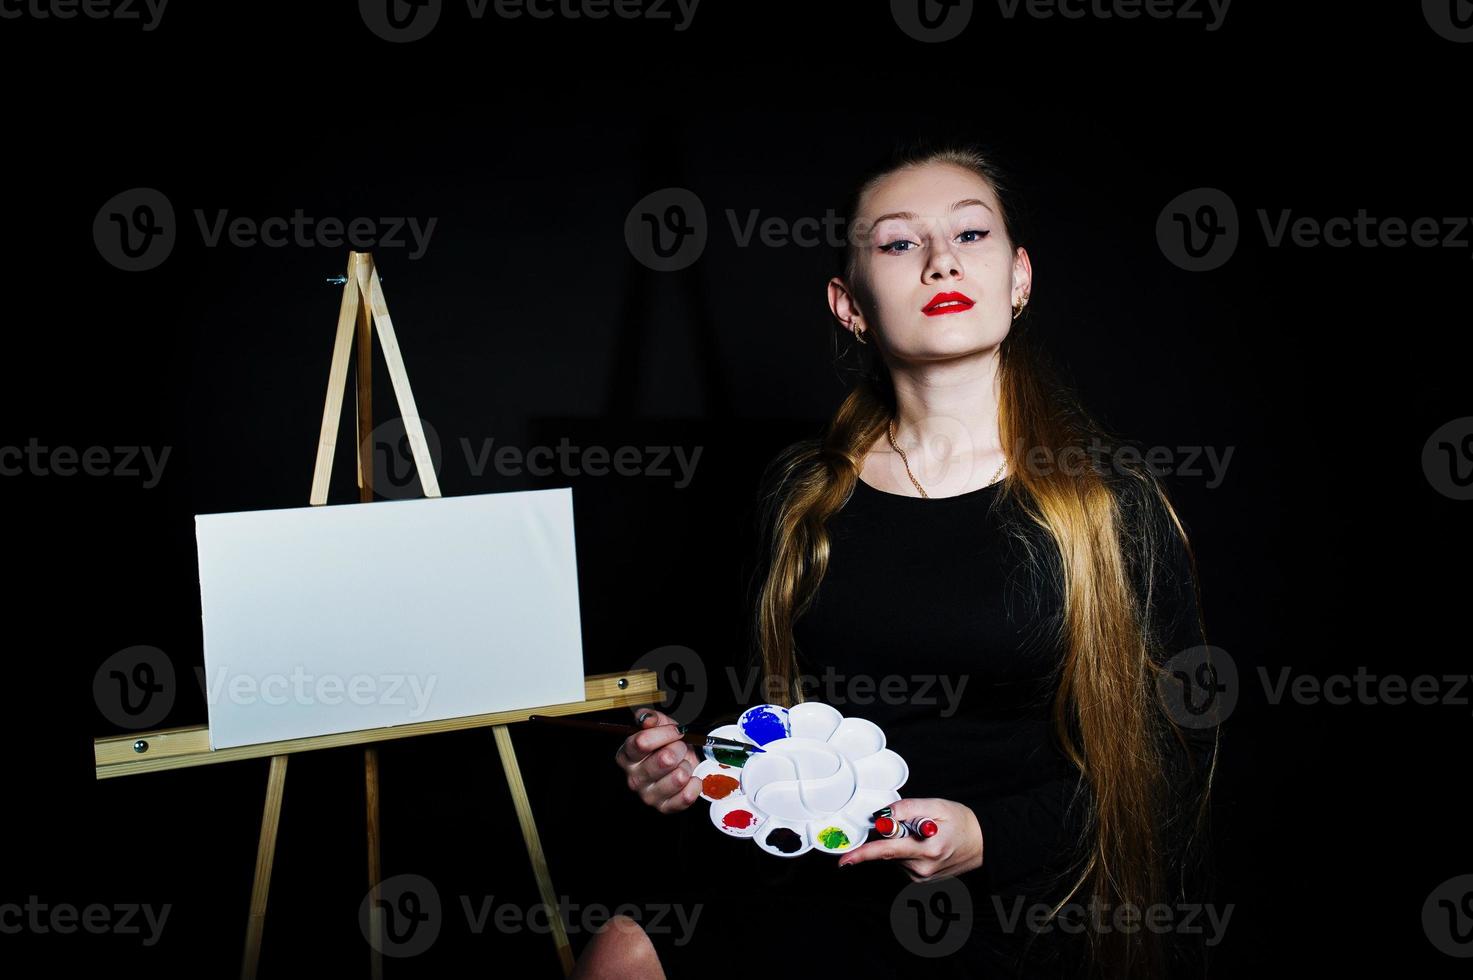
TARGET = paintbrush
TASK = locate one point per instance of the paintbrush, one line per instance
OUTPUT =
(613, 728)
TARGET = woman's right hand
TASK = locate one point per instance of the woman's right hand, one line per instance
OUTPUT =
(660, 767)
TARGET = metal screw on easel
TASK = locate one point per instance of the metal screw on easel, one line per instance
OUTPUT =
(342, 280)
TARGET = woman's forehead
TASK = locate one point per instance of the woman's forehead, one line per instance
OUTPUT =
(927, 192)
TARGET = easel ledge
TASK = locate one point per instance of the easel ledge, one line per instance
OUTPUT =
(180, 748)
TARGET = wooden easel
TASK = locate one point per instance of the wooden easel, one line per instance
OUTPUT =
(362, 311)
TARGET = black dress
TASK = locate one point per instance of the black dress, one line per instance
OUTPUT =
(926, 623)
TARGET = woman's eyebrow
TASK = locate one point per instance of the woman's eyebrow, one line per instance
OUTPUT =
(911, 215)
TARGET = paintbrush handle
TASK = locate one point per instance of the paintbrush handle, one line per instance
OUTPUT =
(690, 738)
(613, 728)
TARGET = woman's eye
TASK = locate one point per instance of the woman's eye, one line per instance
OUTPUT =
(894, 247)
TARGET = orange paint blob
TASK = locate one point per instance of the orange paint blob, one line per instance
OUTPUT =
(718, 786)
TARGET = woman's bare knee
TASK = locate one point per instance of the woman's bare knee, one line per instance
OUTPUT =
(621, 949)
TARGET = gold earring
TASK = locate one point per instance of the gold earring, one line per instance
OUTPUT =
(859, 333)
(1018, 306)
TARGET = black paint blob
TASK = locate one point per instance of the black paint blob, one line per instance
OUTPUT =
(785, 840)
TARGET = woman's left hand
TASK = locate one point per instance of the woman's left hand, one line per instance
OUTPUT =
(956, 848)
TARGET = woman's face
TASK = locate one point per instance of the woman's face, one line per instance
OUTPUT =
(927, 236)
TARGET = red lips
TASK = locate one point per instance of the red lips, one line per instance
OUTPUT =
(957, 303)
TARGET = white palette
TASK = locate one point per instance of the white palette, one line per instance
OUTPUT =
(815, 786)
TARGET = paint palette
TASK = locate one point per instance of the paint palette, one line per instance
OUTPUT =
(814, 787)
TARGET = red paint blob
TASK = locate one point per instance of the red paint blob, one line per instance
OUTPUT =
(738, 819)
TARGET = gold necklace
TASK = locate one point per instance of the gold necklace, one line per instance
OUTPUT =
(912, 476)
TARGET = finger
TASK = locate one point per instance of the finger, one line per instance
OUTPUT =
(660, 764)
(640, 745)
(883, 850)
(644, 712)
(916, 810)
(682, 798)
(668, 785)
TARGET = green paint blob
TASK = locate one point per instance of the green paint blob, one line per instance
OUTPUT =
(730, 757)
(833, 838)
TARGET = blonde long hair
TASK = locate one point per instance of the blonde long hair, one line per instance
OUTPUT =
(1108, 538)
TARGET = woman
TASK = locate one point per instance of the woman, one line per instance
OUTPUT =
(950, 529)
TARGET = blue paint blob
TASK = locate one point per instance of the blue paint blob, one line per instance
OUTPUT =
(765, 723)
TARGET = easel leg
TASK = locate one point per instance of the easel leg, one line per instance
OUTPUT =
(363, 374)
(534, 844)
(265, 854)
(375, 867)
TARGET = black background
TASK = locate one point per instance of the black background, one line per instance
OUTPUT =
(526, 320)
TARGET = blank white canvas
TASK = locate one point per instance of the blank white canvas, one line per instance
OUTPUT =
(338, 618)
